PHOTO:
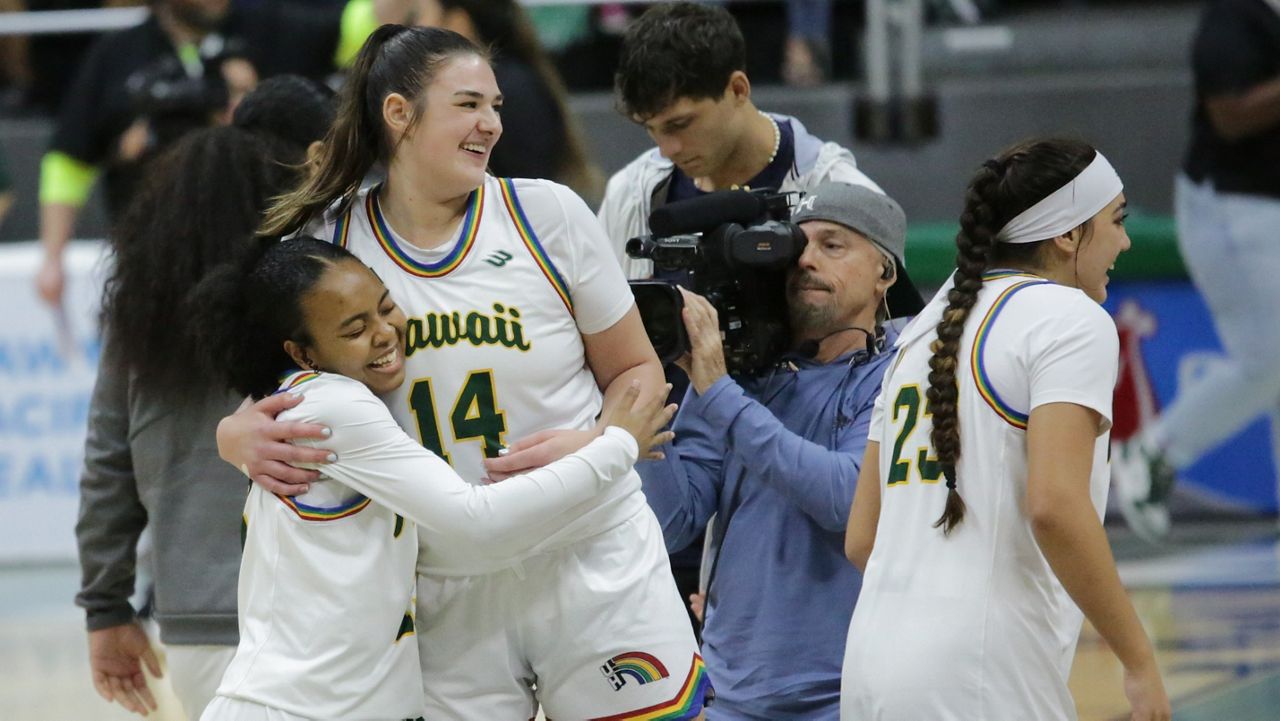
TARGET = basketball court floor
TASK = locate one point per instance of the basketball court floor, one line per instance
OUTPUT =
(1210, 598)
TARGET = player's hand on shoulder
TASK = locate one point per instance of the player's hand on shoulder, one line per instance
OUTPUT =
(644, 419)
(252, 440)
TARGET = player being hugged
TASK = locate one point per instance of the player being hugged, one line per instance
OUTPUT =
(520, 330)
(977, 515)
(327, 578)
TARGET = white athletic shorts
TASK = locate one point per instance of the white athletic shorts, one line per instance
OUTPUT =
(596, 630)
(195, 672)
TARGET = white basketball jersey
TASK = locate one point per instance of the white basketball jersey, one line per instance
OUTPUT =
(976, 624)
(326, 603)
(494, 341)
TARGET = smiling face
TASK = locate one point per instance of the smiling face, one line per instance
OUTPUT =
(1096, 254)
(451, 133)
(354, 327)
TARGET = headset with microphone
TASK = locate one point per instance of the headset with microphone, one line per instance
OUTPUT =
(809, 348)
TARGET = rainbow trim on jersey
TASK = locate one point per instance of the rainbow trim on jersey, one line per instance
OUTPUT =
(315, 513)
(342, 229)
(292, 380)
(686, 704)
(530, 239)
(444, 266)
(1002, 273)
(1012, 416)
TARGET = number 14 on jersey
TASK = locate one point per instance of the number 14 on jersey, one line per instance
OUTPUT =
(475, 415)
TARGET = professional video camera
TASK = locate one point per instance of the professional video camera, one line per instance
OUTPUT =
(176, 101)
(733, 248)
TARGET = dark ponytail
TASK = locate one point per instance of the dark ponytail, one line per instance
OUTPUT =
(244, 312)
(1002, 188)
(395, 59)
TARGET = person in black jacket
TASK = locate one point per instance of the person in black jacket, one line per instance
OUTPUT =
(141, 88)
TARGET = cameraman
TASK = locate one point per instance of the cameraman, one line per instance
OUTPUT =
(140, 88)
(682, 76)
(775, 459)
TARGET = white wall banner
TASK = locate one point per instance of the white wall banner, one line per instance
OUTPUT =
(47, 368)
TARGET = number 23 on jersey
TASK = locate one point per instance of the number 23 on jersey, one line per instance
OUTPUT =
(919, 463)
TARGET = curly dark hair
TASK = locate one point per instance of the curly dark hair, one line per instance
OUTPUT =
(1002, 187)
(295, 109)
(244, 311)
(198, 206)
(680, 50)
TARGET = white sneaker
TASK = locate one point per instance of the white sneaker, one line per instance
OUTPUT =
(1143, 482)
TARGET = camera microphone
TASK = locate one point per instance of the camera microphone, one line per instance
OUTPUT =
(702, 213)
(809, 348)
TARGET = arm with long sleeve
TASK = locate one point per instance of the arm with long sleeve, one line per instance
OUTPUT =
(111, 513)
(817, 479)
(377, 459)
(683, 489)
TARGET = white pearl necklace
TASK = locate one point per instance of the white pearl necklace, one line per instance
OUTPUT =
(777, 142)
(777, 137)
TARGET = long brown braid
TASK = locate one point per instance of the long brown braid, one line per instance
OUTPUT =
(1003, 187)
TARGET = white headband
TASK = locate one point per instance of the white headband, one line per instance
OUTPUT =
(1067, 207)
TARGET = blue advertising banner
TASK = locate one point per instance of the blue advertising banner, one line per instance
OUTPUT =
(47, 366)
(1167, 339)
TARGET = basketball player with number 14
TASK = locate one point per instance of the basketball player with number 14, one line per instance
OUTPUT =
(518, 318)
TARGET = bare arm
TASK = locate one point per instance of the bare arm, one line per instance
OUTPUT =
(864, 515)
(57, 222)
(622, 354)
(616, 356)
(1060, 443)
(1242, 115)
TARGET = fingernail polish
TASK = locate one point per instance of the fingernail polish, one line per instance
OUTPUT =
(326, 432)
(332, 458)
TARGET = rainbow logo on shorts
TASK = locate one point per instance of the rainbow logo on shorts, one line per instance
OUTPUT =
(686, 704)
(635, 665)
